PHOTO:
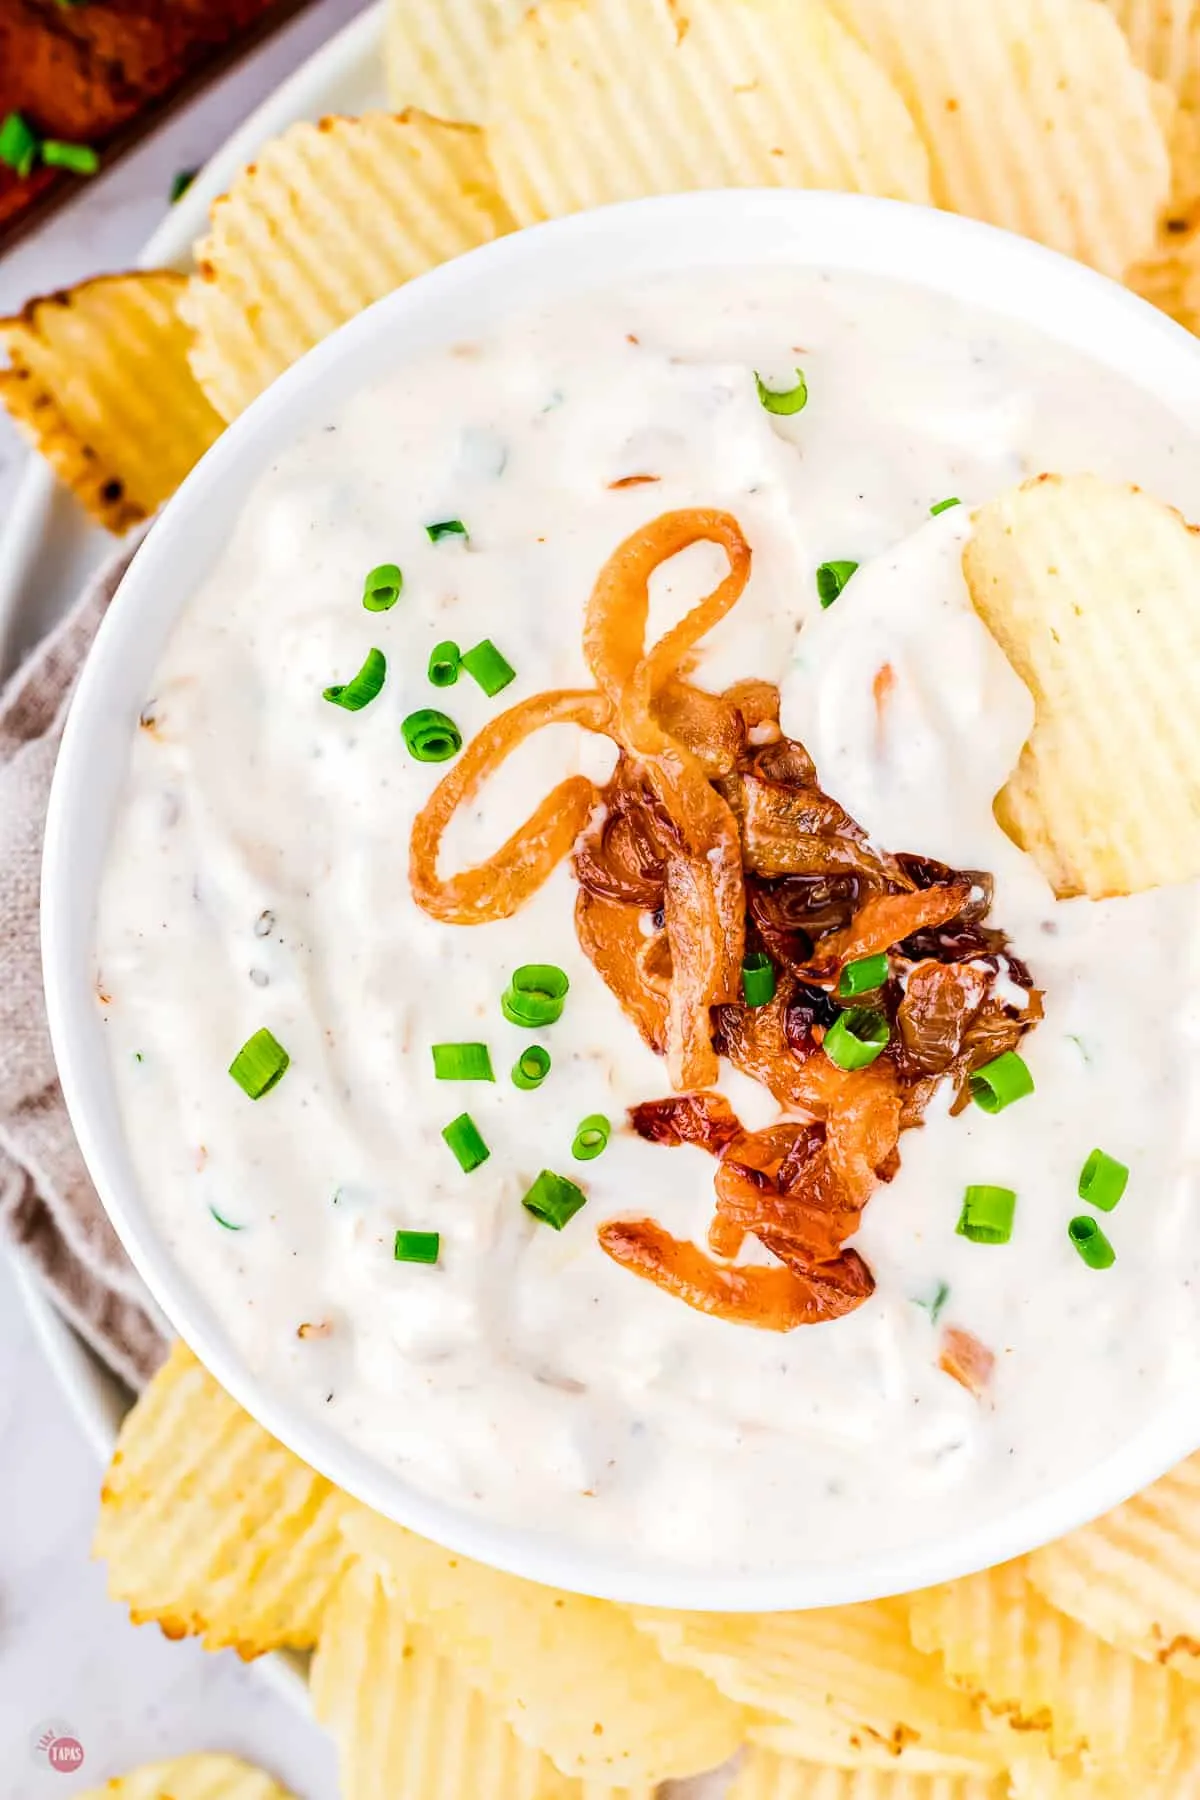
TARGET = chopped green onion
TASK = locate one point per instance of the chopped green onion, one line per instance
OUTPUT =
(591, 1137)
(259, 1064)
(863, 976)
(181, 181)
(831, 579)
(942, 506)
(486, 666)
(431, 736)
(1102, 1180)
(1091, 1242)
(462, 1062)
(356, 694)
(998, 1083)
(553, 1199)
(933, 1306)
(444, 659)
(856, 1037)
(223, 1222)
(81, 159)
(446, 528)
(535, 995)
(784, 401)
(531, 1068)
(381, 588)
(758, 978)
(18, 144)
(417, 1246)
(987, 1215)
(462, 1135)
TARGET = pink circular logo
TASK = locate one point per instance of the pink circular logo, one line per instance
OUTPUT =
(65, 1753)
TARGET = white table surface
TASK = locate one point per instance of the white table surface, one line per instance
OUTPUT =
(67, 1653)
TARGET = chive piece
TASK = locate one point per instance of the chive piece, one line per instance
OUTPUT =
(223, 1222)
(856, 1037)
(81, 159)
(831, 579)
(784, 401)
(535, 995)
(863, 976)
(591, 1137)
(462, 1135)
(1102, 1180)
(942, 506)
(181, 181)
(485, 665)
(381, 588)
(531, 1068)
(431, 736)
(18, 144)
(462, 1062)
(259, 1064)
(354, 695)
(998, 1083)
(446, 528)
(758, 978)
(987, 1215)
(553, 1199)
(936, 1301)
(416, 1246)
(444, 659)
(1091, 1243)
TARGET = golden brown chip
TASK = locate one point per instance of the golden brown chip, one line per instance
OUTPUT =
(98, 379)
(599, 100)
(206, 1776)
(571, 1675)
(1133, 1577)
(210, 1527)
(1161, 36)
(329, 219)
(1035, 116)
(1001, 1642)
(857, 1664)
(1092, 589)
(764, 1776)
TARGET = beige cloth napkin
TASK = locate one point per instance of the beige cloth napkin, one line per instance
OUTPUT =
(48, 1206)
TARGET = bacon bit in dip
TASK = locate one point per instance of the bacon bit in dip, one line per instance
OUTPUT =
(969, 1362)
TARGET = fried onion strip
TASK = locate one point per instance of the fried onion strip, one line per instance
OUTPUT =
(497, 888)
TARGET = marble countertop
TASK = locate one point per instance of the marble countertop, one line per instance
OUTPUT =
(69, 1655)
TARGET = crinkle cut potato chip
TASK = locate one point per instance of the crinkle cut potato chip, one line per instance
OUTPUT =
(206, 1776)
(1092, 590)
(600, 100)
(1133, 1576)
(98, 379)
(331, 217)
(210, 1527)
(571, 1675)
(1001, 1642)
(764, 1776)
(1161, 36)
(438, 54)
(857, 1663)
(1035, 115)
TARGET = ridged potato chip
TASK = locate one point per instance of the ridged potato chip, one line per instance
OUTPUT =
(763, 1776)
(1049, 1780)
(1035, 116)
(206, 1776)
(570, 1675)
(330, 218)
(1133, 1577)
(1161, 35)
(438, 54)
(210, 1527)
(1092, 590)
(99, 382)
(858, 1663)
(1001, 1642)
(599, 100)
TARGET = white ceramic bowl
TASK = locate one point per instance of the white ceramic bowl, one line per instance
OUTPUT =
(972, 263)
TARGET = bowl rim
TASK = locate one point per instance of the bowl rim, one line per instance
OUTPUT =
(976, 264)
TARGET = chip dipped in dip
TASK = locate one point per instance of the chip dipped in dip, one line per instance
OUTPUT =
(573, 1009)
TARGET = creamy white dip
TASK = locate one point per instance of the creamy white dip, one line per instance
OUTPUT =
(258, 877)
